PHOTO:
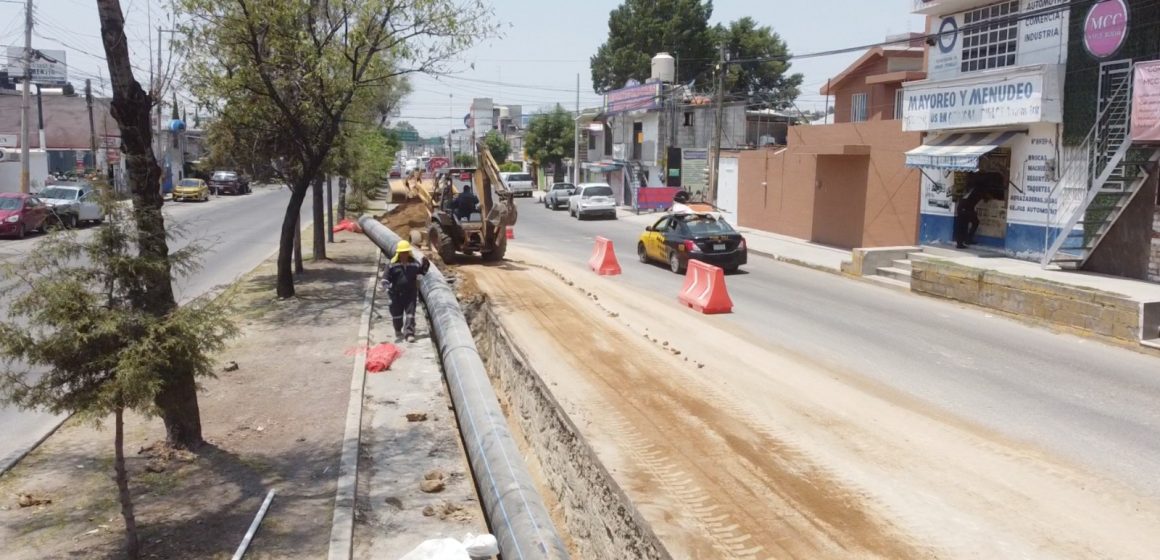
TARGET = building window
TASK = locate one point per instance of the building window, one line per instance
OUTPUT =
(898, 104)
(989, 36)
(591, 141)
(688, 118)
(858, 111)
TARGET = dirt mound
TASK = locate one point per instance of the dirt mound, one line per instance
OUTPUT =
(407, 217)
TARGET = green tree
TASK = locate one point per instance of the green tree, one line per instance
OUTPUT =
(291, 70)
(464, 160)
(176, 399)
(766, 83)
(74, 312)
(499, 147)
(550, 138)
(639, 29)
(511, 167)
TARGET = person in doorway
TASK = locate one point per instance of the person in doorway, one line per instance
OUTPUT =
(465, 203)
(402, 281)
(681, 203)
(967, 216)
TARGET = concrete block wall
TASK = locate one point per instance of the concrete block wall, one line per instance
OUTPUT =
(1090, 311)
(1154, 260)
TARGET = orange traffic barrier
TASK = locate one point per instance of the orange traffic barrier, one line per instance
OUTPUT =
(603, 259)
(511, 232)
(704, 289)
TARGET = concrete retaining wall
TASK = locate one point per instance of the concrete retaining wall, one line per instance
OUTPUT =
(1092, 311)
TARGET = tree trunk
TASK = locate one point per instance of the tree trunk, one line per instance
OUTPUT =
(131, 107)
(319, 210)
(132, 544)
(342, 198)
(288, 238)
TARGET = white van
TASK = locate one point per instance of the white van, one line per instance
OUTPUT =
(519, 183)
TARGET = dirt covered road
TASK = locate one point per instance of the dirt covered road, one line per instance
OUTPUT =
(732, 450)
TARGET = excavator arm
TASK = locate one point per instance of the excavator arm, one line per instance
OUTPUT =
(496, 202)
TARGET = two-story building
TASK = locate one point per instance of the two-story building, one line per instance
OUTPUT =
(991, 109)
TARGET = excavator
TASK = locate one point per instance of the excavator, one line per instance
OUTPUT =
(485, 231)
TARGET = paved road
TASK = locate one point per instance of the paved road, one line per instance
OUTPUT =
(240, 233)
(1096, 405)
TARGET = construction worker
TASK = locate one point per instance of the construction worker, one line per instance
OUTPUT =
(402, 281)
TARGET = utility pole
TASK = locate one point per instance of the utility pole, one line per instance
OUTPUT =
(159, 96)
(329, 211)
(40, 120)
(719, 124)
(451, 127)
(26, 102)
(92, 126)
(576, 137)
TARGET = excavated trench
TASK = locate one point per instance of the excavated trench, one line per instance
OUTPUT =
(589, 506)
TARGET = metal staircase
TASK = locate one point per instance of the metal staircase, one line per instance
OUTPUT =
(1100, 179)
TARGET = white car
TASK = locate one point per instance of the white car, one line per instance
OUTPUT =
(592, 199)
(72, 204)
(520, 184)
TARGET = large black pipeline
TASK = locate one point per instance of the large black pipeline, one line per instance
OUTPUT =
(514, 509)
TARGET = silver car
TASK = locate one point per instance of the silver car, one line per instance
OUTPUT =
(592, 199)
(557, 197)
(520, 184)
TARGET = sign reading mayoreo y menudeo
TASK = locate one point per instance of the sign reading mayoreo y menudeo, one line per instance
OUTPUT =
(1004, 100)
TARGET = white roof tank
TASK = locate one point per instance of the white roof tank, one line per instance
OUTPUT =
(664, 68)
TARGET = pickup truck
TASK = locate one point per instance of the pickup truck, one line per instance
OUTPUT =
(520, 184)
(72, 203)
(230, 182)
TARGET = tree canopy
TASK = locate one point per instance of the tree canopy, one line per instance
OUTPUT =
(288, 72)
(550, 138)
(765, 83)
(499, 147)
(639, 29)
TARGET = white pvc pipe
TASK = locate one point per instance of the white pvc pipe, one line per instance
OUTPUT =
(254, 526)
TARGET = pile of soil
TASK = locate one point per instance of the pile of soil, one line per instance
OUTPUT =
(407, 217)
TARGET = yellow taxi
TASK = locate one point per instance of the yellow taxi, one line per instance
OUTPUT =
(191, 189)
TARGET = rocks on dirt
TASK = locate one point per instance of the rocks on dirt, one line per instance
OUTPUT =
(433, 482)
(230, 366)
(447, 510)
(416, 416)
(155, 466)
(27, 500)
(165, 452)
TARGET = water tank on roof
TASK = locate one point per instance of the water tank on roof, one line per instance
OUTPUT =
(664, 68)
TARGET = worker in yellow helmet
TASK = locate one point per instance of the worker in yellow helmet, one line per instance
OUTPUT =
(402, 280)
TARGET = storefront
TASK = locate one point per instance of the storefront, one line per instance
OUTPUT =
(991, 109)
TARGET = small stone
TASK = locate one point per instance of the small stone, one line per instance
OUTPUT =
(431, 486)
(429, 511)
(300, 440)
(435, 475)
(416, 416)
(231, 366)
(155, 466)
(26, 500)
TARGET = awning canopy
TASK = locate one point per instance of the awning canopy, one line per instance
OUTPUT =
(958, 152)
(601, 166)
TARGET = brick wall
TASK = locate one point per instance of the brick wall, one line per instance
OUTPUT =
(1092, 311)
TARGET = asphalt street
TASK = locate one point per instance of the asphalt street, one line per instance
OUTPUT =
(239, 232)
(1085, 402)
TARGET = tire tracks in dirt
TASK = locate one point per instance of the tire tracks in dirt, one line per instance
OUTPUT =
(751, 495)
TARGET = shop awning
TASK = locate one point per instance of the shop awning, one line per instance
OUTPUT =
(958, 152)
(601, 166)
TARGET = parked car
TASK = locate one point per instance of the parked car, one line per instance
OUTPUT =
(557, 196)
(231, 182)
(678, 238)
(592, 199)
(520, 184)
(396, 173)
(22, 213)
(191, 189)
(72, 204)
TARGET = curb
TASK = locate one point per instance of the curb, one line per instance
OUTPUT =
(798, 262)
(342, 528)
(25, 452)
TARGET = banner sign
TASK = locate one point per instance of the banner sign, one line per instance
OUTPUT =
(1146, 103)
(636, 98)
(999, 101)
(1105, 28)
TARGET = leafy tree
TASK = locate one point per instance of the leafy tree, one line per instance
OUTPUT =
(131, 107)
(550, 138)
(464, 160)
(766, 83)
(511, 167)
(75, 312)
(290, 71)
(499, 147)
(639, 29)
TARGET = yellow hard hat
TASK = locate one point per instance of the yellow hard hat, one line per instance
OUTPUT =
(403, 247)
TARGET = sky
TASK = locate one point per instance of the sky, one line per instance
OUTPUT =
(544, 45)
